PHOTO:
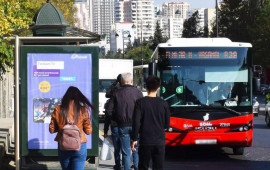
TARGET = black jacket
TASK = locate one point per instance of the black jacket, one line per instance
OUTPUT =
(122, 106)
(151, 118)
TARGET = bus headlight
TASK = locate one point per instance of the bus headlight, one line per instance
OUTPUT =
(242, 128)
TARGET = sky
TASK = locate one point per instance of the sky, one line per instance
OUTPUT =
(192, 3)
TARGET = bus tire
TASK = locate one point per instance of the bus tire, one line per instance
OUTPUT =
(238, 150)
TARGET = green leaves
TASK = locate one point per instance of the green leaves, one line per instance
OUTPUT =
(192, 28)
(18, 15)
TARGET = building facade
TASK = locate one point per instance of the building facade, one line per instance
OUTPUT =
(175, 9)
(143, 18)
(122, 35)
(83, 14)
(102, 16)
(209, 18)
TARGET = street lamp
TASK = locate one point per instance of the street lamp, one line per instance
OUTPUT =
(124, 32)
(148, 26)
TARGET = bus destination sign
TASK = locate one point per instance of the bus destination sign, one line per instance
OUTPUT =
(198, 55)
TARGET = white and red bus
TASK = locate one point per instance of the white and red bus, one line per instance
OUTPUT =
(207, 83)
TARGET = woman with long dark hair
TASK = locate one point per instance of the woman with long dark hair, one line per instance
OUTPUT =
(74, 108)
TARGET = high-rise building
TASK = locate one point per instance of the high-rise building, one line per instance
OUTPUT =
(123, 12)
(143, 18)
(102, 16)
(175, 9)
(171, 16)
(83, 14)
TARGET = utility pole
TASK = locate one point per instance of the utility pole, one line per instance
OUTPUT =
(217, 16)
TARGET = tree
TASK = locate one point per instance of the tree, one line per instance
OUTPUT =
(119, 54)
(109, 54)
(191, 27)
(12, 17)
(234, 18)
(247, 21)
(136, 55)
(18, 15)
(158, 38)
(260, 35)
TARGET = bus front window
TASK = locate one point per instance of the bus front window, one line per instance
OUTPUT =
(200, 85)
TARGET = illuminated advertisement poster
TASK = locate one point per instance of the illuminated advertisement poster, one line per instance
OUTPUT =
(49, 76)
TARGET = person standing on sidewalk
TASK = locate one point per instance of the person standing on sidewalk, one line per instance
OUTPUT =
(151, 118)
(122, 107)
(114, 127)
(74, 108)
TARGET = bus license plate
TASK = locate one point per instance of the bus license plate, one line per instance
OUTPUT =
(205, 141)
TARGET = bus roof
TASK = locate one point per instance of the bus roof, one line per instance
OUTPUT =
(203, 42)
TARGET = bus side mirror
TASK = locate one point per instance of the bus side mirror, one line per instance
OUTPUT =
(152, 69)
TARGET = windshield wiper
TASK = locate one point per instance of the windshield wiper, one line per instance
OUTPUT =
(233, 111)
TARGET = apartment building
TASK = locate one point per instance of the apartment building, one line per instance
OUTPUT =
(83, 14)
(102, 16)
(175, 9)
(143, 18)
(209, 18)
(123, 12)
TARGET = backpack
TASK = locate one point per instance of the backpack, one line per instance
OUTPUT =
(70, 138)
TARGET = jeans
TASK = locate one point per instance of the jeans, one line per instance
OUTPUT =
(125, 133)
(117, 146)
(73, 160)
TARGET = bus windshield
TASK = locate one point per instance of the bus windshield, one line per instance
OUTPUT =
(205, 76)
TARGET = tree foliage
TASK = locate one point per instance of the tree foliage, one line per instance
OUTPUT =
(247, 21)
(234, 17)
(261, 36)
(12, 17)
(158, 38)
(191, 27)
(136, 54)
(19, 14)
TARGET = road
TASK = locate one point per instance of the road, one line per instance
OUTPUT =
(256, 157)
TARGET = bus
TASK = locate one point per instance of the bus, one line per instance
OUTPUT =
(140, 74)
(207, 83)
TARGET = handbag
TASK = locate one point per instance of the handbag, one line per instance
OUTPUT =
(105, 153)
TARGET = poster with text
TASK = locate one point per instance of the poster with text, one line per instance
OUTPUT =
(48, 77)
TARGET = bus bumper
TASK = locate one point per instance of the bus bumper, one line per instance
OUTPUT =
(219, 139)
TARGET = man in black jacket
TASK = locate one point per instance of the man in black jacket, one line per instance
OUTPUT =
(121, 108)
(151, 118)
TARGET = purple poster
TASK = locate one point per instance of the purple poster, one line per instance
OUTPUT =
(48, 76)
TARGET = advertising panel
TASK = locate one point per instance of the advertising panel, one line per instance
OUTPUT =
(48, 77)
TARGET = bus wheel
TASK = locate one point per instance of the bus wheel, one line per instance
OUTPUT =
(238, 150)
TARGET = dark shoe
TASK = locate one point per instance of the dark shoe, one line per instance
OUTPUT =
(117, 167)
